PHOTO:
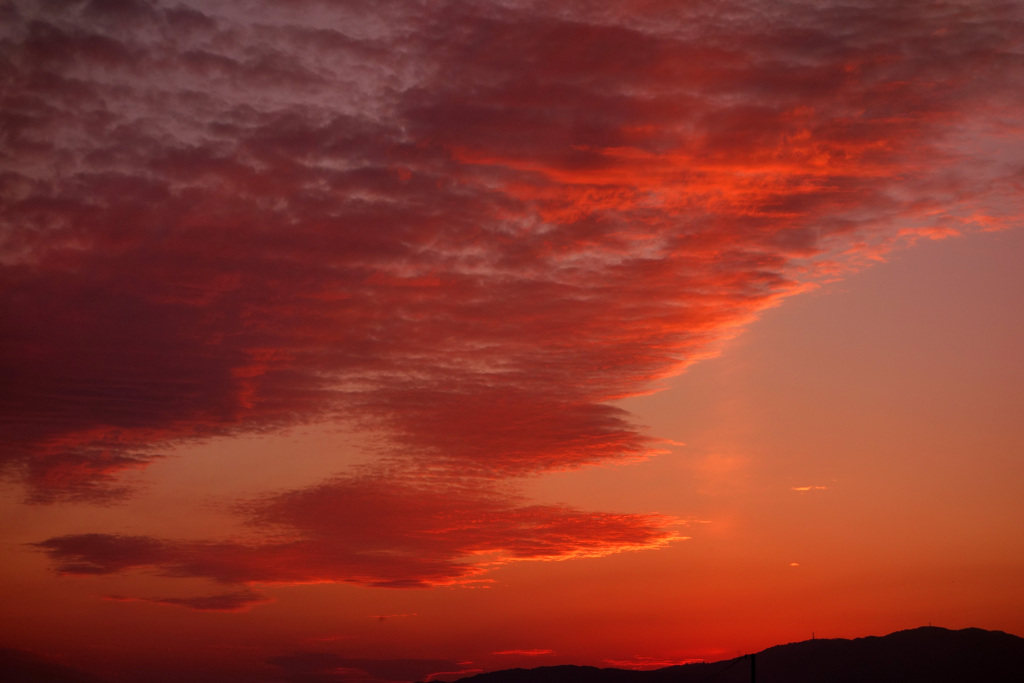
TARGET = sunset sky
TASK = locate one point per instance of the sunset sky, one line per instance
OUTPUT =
(397, 340)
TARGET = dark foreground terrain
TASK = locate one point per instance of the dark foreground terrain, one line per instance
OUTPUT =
(920, 655)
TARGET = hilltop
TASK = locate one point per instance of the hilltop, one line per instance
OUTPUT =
(921, 655)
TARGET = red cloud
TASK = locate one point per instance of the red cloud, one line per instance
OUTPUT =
(88, 474)
(370, 530)
(469, 244)
(237, 601)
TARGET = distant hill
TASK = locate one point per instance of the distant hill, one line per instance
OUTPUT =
(18, 666)
(920, 655)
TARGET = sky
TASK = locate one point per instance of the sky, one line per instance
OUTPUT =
(394, 341)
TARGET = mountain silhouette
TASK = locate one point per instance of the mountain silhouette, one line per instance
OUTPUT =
(921, 655)
(18, 666)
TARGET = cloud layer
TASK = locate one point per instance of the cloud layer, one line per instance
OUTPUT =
(325, 667)
(463, 228)
(370, 531)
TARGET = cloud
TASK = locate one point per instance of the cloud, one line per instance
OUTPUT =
(91, 474)
(525, 653)
(325, 667)
(466, 228)
(805, 489)
(374, 531)
(649, 663)
(237, 601)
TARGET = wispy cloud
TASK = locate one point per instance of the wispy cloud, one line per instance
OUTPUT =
(326, 667)
(648, 663)
(237, 601)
